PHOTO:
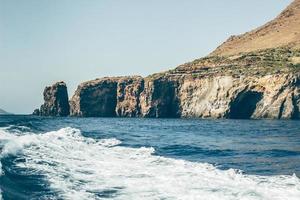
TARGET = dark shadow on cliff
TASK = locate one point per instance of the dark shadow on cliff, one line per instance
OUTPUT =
(244, 105)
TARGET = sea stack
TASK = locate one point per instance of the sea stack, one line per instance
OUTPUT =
(56, 101)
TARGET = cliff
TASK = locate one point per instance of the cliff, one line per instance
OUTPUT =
(56, 101)
(275, 96)
(271, 96)
(131, 96)
(97, 98)
(258, 84)
(129, 90)
(245, 89)
(160, 97)
(239, 80)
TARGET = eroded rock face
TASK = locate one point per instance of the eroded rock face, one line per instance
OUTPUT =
(274, 96)
(56, 101)
(205, 97)
(36, 112)
(244, 104)
(128, 96)
(97, 98)
(281, 97)
(160, 98)
(271, 96)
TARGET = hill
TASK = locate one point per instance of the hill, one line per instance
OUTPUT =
(3, 112)
(284, 30)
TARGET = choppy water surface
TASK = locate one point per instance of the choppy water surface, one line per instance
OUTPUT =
(114, 158)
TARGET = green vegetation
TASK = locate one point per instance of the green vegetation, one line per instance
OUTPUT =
(258, 63)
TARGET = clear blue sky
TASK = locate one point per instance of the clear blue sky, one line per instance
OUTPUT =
(44, 41)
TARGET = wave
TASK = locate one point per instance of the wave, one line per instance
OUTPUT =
(78, 167)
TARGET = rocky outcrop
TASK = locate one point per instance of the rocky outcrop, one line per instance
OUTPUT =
(274, 96)
(271, 96)
(36, 112)
(128, 96)
(97, 98)
(56, 101)
(160, 97)
(281, 97)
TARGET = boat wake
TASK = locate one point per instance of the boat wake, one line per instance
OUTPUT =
(77, 167)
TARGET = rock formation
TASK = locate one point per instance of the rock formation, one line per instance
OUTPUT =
(255, 75)
(275, 96)
(160, 97)
(36, 112)
(128, 96)
(56, 101)
(270, 96)
(97, 98)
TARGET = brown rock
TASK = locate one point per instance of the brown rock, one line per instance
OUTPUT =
(56, 101)
(97, 98)
(160, 98)
(36, 112)
(128, 96)
(271, 96)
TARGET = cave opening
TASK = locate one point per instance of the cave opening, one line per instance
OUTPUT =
(244, 105)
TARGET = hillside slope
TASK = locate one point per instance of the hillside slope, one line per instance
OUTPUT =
(3, 112)
(284, 30)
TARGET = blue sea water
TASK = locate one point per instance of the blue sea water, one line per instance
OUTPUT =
(125, 158)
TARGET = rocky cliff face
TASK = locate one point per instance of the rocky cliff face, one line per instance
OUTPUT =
(160, 97)
(128, 96)
(256, 85)
(97, 98)
(271, 96)
(275, 96)
(56, 101)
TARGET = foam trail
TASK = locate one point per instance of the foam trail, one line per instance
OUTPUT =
(84, 168)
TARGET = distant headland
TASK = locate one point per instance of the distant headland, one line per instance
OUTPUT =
(3, 112)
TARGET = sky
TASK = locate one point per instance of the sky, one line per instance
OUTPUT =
(45, 41)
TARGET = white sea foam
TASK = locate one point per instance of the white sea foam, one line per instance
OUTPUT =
(84, 168)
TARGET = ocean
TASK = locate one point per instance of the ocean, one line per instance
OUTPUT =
(157, 159)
